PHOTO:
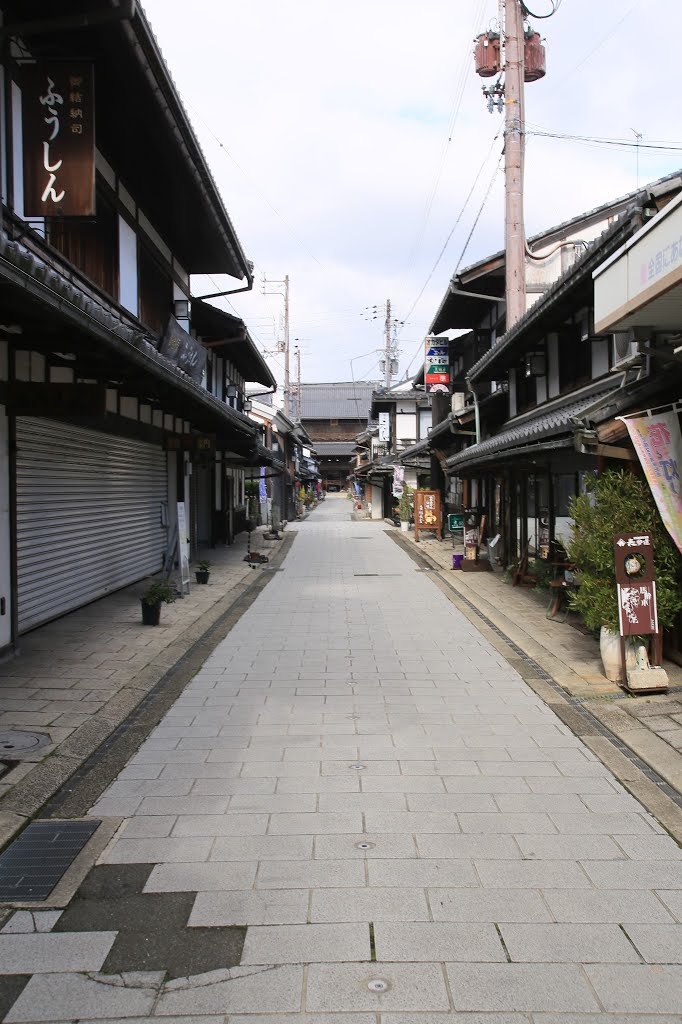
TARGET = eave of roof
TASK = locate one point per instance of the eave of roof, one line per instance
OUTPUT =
(581, 271)
(213, 324)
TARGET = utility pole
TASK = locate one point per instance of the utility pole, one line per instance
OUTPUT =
(387, 328)
(285, 347)
(514, 143)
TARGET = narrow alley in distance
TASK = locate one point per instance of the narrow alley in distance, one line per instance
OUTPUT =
(357, 806)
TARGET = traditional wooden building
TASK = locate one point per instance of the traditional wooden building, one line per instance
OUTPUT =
(111, 408)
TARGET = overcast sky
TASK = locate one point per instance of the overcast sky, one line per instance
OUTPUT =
(345, 138)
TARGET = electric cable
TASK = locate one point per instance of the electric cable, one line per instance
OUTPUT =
(556, 4)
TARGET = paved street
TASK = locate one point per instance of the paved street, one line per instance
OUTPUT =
(357, 807)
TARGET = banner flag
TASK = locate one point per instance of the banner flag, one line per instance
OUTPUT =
(398, 481)
(658, 444)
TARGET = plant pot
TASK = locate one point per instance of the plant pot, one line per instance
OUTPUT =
(151, 614)
(609, 648)
(202, 575)
(404, 525)
(457, 561)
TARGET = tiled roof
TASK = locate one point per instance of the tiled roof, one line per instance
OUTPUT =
(528, 430)
(342, 401)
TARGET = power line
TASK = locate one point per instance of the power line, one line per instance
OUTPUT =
(597, 141)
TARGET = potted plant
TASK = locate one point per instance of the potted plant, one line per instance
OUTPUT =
(618, 502)
(202, 571)
(157, 593)
(405, 508)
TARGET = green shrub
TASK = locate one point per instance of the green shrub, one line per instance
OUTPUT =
(619, 502)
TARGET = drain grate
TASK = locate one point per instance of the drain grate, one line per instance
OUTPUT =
(32, 865)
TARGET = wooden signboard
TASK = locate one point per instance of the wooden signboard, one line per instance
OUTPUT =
(427, 513)
(635, 576)
(58, 120)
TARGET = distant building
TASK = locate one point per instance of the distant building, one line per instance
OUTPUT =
(333, 415)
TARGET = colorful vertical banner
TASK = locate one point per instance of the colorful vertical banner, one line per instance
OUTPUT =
(398, 481)
(658, 444)
(436, 365)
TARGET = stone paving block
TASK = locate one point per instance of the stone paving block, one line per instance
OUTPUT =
(437, 941)
(592, 823)
(408, 821)
(345, 986)
(201, 877)
(237, 990)
(369, 904)
(568, 943)
(311, 824)
(50, 953)
(658, 943)
(307, 874)
(520, 987)
(637, 988)
(526, 874)
(461, 846)
(158, 851)
(221, 825)
(310, 1018)
(630, 874)
(650, 847)
(488, 905)
(422, 873)
(306, 944)
(194, 804)
(499, 823)
(157, 826)
(402, 784)
(451, 802)
(220, 909)
(337, 802)
(380, 846)
(606, 906)
(570, 847)
(67, 997)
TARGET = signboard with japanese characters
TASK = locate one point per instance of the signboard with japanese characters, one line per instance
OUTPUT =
(427, 513)
(185, 351)
(635, 577)
(58, 121)
(398, 481)
(436, 365)
(658, 444)
(384, 426)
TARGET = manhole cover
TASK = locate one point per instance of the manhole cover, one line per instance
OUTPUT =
(364, 846)
(15, 741)
(378, 985)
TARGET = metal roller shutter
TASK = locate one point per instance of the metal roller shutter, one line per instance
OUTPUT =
(88, 516)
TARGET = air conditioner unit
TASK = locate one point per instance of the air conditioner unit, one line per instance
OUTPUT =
(626, 351)
(458, 402)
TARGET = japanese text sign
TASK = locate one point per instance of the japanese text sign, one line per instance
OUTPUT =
(183, 350)
(427, 512)
(436, 364)
(58, 119)
(634, 560)
(658, 444)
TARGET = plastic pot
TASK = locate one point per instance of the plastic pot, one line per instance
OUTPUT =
(202, 575)
(151, 614)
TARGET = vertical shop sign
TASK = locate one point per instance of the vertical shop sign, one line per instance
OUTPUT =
(398, 481)
(635, 578)
(183, 548)
(427, 513)
(58, 122)
(436, 365)
(658, 444)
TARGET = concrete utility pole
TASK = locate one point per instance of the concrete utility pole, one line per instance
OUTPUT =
(387, 327)
(285, 347)
(514, 143)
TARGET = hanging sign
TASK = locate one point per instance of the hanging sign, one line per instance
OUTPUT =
(398, 481)
(427, 513)
(58, 123)
(384, 426)
(635, 577)
(436, 365)
(183, 350)
(658, 444)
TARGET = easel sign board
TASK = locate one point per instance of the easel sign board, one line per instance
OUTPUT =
(635, 578)
(427, 513)
(183, 548)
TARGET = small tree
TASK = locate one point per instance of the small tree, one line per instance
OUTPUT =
(619, 502)
(405, 505)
